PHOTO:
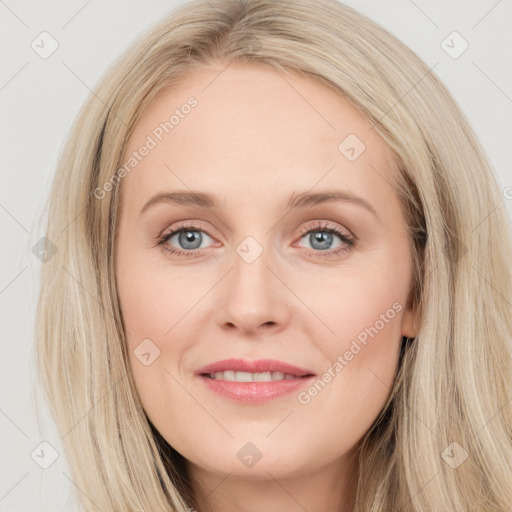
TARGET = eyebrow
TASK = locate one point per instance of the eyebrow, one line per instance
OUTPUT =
(297, 201)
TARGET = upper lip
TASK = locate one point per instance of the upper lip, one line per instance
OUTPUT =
(257, 366)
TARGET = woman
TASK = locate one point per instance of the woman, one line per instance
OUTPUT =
(284, 281)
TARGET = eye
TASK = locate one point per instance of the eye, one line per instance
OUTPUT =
(188, 238)
(322, 238)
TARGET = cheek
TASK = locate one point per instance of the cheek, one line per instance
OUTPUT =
(151, 309)
(152, 298)
(159, 305)
(361, 311)
(359, 302)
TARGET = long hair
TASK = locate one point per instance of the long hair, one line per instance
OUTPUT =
(444, 439)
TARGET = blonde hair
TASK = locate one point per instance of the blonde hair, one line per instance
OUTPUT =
(454, 383)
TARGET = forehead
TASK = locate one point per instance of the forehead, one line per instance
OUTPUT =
(253, 128)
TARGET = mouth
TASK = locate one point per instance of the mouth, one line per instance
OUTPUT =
(232, 376)
(253, 382)
(245, 370)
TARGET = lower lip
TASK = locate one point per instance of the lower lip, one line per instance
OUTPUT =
(255, 392)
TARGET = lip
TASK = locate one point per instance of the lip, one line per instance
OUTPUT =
(254, 392)
(260, 365)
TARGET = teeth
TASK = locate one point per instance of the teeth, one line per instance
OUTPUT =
(232, 376)
(262, 377)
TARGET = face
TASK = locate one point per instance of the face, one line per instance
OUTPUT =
(261, 272)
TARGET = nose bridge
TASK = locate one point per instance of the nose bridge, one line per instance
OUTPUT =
(251, 275)
(253, 295)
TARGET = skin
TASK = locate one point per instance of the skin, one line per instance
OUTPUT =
(253, 140)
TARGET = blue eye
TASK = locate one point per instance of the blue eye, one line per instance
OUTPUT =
(190, 240)
(321, 239)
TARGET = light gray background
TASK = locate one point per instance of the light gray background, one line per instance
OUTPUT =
(39, 99)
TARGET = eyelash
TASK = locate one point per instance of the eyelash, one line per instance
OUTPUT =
(348, 240)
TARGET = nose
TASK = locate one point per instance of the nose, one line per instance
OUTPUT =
(253, 298)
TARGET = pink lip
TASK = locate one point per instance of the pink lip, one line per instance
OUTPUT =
(254, 392)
